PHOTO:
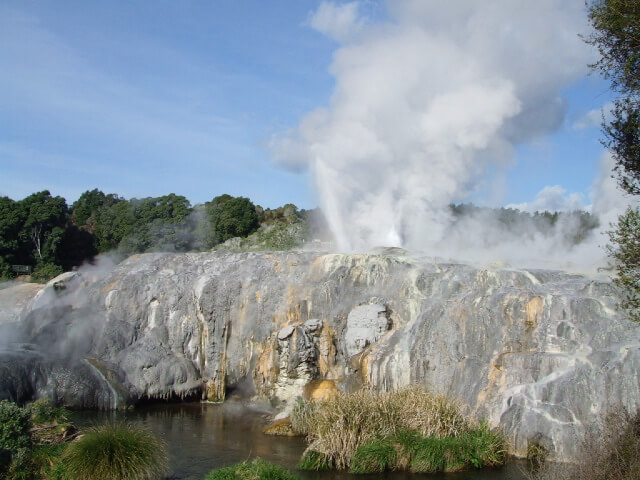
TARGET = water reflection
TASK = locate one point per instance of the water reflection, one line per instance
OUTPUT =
(202, 437)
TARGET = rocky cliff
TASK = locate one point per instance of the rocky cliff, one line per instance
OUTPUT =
(540, 353)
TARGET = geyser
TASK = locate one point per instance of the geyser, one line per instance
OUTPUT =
(425, 104)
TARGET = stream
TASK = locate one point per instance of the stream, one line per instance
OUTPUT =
(202, 437)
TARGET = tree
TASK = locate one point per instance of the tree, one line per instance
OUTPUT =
(12, 217)
(231, 217)
(44, 225)
(89, 203)
(625, 250)
(617, 37)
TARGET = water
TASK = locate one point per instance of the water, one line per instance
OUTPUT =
(202, 437)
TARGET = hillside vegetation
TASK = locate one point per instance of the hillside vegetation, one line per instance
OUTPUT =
(47, 236)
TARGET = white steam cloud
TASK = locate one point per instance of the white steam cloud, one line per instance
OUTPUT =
(424, 104)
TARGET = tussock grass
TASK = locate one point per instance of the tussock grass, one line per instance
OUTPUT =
(369, 432)
(255, 470)
(116, 452)
(312, 460)
(610, 451)
(374, 457)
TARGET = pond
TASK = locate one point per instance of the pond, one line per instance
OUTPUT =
(203, 436)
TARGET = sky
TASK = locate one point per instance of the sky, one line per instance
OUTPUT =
(204, 98)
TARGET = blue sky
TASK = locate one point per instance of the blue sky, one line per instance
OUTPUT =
(150, 98)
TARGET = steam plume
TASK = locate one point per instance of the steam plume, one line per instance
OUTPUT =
(424, 104)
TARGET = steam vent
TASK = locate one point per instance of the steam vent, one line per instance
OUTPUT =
(539, 353)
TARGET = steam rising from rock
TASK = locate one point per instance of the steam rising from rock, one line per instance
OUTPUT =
(424, 104)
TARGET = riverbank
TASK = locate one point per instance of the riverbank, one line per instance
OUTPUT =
(202, 437)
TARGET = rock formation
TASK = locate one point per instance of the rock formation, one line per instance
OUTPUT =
(540, 353)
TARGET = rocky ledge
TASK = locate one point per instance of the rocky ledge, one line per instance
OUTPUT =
(540, 353)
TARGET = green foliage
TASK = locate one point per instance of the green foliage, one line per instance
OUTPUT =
(21, 466)
(231, 217)
(373, 457)
(12, 217)
(46, 463)
(622, 138)
(45, 272)
(43, 411)
(312, 460)
(428, 454)
(111, 224)
(624, 249)
(15, 423)
(484, 447)
(15, 440)
(255, 470)
(617, 37)
(89, 204)
(116, 452)
(5, 270)
(44, 224)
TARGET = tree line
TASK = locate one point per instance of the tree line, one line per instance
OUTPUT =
(44, 233)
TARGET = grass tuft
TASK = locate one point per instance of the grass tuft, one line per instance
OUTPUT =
(373, 457)
(313, 460)
(369, 432)
(116, 452)
(257, 469)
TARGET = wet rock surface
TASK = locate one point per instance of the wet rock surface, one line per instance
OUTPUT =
(540, 353)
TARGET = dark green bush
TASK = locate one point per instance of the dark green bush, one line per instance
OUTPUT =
(45, 272)
(15, 423)
(255, 470)
(116, 452)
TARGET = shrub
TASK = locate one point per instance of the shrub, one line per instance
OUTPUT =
(43, 411)
(256, 470)
(15, 423)
(116, 452)
(45, 272)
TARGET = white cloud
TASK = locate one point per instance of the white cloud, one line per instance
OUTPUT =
(337, 21)
(593, 118)
(552, 199)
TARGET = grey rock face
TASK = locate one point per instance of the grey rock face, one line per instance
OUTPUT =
(540, 353)
(365, 325)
